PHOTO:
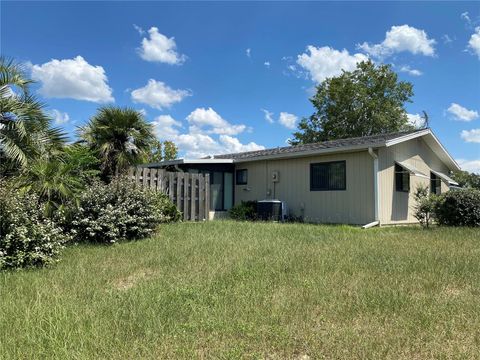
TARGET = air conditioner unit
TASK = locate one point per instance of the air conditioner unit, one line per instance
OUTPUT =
(272, 210)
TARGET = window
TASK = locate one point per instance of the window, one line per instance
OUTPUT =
(402, 179)
(435, 184)
(328, 176)
(242, 177)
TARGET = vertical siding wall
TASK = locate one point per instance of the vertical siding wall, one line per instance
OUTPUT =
(355, 205)
(397, 207)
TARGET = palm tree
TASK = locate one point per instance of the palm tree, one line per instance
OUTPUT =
(120, 136)
(25, 130)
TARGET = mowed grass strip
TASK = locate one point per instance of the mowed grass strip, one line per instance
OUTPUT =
(227, 290)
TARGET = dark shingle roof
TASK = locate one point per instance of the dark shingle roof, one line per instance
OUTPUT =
(365, 141)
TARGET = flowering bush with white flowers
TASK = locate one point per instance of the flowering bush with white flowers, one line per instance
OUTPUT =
(27, 236)
(119, 210)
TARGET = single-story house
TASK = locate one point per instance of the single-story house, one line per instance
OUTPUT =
(362, 180)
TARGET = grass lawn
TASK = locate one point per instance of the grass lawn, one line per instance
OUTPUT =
(252, 290)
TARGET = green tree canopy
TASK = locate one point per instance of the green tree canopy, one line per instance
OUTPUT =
(369, 100)
(120, 136)
(161, 151)
(26, 132)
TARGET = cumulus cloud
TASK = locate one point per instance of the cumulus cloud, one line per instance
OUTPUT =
(166, 127)
(469, 165)
(267, 64)
(401, 38)
(474, 42)
(461, 113)
(203, 120)
(59, 117)
(160, 48)
(407, 69)
(471, 135)
(268, 115)
(248, 52)
(73, 78)
(158, 95)
(203, 136)
(416, 120)
(325, 62)
(288, 120)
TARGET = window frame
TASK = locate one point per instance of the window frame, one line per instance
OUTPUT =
(434, 178)
(237, 171)
(344, 162)
(401, 175)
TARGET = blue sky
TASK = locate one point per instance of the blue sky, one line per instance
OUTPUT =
(226, 76)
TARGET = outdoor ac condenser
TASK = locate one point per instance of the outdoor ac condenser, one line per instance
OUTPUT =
(272, 210)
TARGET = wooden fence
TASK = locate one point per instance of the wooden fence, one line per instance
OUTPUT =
(189, 192)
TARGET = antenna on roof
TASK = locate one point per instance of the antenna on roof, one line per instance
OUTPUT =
(426, 123)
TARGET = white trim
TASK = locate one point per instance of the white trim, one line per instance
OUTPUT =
(448, 179)
(407, 137)
(188, 161)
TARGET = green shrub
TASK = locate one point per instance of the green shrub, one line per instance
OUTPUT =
(458, 208)
(424, 205)
(27, 236)
(246, 210)
(119, 210)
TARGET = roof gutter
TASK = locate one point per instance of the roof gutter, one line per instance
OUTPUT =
(375, 182)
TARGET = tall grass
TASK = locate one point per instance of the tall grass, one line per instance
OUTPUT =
(252, 290)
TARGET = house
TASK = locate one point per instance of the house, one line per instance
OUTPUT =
(352, 181)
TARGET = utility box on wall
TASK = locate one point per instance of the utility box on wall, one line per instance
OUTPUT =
(275, 176)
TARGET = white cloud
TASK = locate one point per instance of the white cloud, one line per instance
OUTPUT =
(143, 112)
(160, 48)
(158, 95)
(166, 127)
(204, 136)
(232, 144)
(267, 64)
(465, 16)
(268, 115)
(73, 78)
(139, 29)
(447, 39)
(461, 113)
(325, 62)
(407, 69)
(416, 120)
(474, 42)
(248, 52)
(288, 120)
(201, 118)
(401, 38)
(471, 135)
(59, 117)
(469, 165)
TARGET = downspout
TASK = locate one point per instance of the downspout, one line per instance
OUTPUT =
(375, 189)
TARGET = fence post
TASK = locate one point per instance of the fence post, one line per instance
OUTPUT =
(193, 197)
(207, 196)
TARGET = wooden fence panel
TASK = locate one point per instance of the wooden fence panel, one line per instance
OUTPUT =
(189, 192)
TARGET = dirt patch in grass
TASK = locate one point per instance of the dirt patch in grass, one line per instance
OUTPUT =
(133, 280)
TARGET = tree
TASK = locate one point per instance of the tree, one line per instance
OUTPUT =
(467, 180)
(25, 130)
(162, 151)
(120, 136)
(366, 101)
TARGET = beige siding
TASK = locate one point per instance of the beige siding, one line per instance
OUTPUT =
(397, 207)
(355, 205)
